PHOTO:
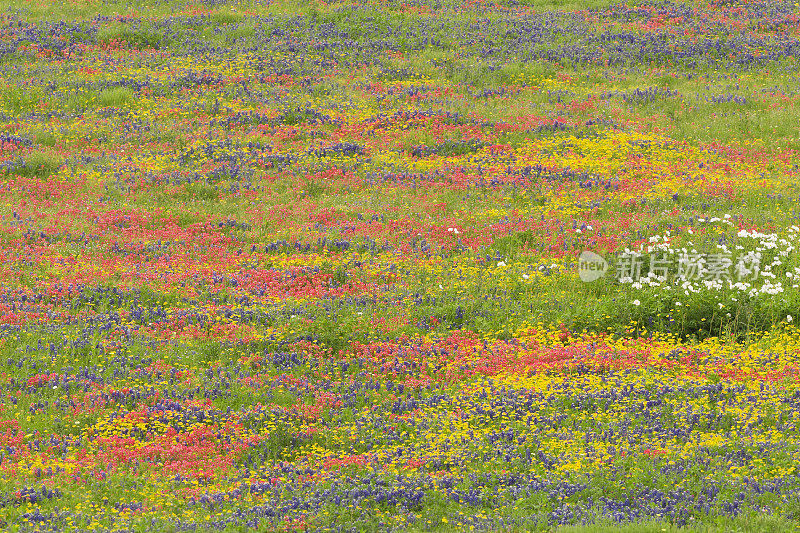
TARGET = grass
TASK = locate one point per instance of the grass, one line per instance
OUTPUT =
(317, 261)
(117, 97)
(17, 101)
(39, 164)
(763, 524)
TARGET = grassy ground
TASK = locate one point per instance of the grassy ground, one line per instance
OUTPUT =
(316, 266)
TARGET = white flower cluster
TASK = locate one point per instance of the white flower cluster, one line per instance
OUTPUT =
(752, 272)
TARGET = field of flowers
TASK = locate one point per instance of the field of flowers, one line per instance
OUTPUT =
(309, 266)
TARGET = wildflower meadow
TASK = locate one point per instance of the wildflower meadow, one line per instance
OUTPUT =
(384, 265)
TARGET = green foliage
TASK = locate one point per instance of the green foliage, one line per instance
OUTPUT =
(38, 164)
(510, 245)
(45, 138)
(140, 36)
(314, 189)
(223, 17)
(448, 148)
(17, 100)
(221, 337)
(197, 192)
(116, 97)
(279, 443)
